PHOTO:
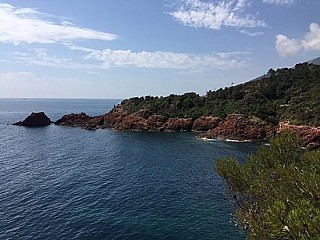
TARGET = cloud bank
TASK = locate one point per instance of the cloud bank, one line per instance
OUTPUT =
(26, 25)
(288, 47)
(44, 57)
(196, 13)
(163, 60)
(279, 2)
(108, 58)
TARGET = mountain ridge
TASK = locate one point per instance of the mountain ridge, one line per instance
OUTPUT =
(315, 61)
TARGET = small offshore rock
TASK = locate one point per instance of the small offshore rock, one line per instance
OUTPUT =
(35, 120)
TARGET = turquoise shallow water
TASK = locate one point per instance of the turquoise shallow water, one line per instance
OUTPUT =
(68, 183)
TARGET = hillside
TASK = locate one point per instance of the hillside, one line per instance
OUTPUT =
(286, 94)
(280, 100)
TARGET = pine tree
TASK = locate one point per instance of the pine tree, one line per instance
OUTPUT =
(277, 190)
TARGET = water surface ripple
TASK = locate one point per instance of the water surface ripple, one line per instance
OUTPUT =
(68, 183)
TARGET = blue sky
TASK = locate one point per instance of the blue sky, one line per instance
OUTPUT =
(126, 48)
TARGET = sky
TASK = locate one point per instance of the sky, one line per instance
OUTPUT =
(119, 49)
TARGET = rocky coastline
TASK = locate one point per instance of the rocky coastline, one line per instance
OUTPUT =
(235, 127)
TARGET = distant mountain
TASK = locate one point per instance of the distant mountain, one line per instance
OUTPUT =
(315, 61)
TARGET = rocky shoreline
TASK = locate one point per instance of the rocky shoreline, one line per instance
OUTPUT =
(235, 127)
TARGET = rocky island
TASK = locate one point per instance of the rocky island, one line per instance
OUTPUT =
(39, 119)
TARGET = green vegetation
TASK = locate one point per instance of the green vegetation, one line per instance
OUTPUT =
(277, 190)
(284, 94)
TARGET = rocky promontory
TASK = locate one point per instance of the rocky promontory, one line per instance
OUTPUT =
(119, 119)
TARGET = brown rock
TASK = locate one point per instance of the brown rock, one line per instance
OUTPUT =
(113, 117)
(131, 122)
(239, 127)
(74, 120)
(35, 120)
(156, 122)
(178, 125)
(144, 120)
(204, 124)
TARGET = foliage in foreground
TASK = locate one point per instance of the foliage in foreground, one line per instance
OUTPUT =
(277, 190)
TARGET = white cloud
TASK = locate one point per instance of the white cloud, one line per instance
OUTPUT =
(165, 60)
(252, 34)
(279, 2)
(94, 59)
(17, 75)
(196, 13)
(44, 57)
(287, 47)
(25, 25)
(312, 38)
(227, 55)
(311, 42)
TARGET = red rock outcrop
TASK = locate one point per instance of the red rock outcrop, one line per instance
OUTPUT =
(143, 120)
(114, 116)
(239, 127)
(204, 124)
(178, 125)
(156, 123)
(309, 136)
(235, 126)
(132, 122)
(74, 120)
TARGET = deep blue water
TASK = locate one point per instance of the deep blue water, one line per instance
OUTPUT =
(69, 183)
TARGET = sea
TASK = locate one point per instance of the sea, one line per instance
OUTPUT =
(60, 182)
